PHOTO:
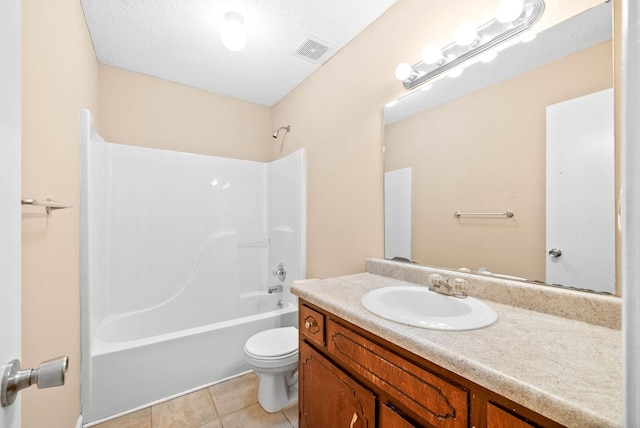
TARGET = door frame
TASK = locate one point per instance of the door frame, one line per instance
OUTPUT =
(10, 227)
(630, 211)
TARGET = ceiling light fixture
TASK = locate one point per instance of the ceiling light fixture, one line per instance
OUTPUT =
(513, 17)
(233, 33)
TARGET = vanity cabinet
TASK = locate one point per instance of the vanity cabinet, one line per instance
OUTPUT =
(352, 378)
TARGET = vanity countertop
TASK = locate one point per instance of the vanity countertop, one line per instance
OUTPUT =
(569, 371)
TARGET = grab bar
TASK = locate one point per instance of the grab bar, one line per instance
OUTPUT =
(49, 204)
(507, 214)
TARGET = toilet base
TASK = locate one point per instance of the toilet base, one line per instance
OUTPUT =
(278, 391)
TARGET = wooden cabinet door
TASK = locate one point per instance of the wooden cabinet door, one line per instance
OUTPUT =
(498, 418)
(389, 418)
(329, 398)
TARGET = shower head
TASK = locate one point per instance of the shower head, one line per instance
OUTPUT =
(277, 131)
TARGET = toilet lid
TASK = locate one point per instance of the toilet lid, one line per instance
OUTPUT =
(273, 343)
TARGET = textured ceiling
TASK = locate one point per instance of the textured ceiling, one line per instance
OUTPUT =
(179, 40)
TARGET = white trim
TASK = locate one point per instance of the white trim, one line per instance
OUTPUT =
(631, 211)
(10, 137)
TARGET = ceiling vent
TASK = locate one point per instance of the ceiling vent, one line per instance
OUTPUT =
(311, 49)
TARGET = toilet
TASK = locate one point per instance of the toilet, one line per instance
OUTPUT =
(273, 356)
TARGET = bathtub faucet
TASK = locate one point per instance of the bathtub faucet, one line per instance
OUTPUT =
(280, 272)
(275, 288)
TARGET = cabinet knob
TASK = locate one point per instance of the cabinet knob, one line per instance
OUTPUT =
(311, 324)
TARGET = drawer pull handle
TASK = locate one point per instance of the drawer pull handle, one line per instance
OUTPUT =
(353, 419)
(311, 324)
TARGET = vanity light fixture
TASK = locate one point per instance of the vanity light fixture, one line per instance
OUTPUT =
(513, 17)
(233, 33)
(467, 34)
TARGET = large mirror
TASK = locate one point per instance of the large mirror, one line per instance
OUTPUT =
(487, 144)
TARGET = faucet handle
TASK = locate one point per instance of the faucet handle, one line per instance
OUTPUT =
(460, 288)
(280, 272)
(436, 279)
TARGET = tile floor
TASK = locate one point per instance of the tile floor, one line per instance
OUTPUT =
(230, 404)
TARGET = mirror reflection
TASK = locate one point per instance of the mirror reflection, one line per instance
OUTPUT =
(530, 133)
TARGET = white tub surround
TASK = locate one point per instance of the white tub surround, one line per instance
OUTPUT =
(567, 370)
(177, 251)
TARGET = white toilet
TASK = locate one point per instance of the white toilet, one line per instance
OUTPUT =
(273, 355)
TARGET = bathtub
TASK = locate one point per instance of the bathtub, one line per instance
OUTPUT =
(177, 252)
(135, 364)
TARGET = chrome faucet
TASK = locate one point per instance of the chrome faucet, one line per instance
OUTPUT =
(441, 285)
(275, 288)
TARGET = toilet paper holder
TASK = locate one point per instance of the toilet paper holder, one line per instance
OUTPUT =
(50, 373)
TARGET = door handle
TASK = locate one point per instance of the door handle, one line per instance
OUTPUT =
(554, 252)
(50, 373)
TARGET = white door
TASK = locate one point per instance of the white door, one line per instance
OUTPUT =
(9, 195)
(580, 193)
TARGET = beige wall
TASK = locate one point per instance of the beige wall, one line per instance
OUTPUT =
(336, 114)
(140, 110)
(485, 152)
(59, 77)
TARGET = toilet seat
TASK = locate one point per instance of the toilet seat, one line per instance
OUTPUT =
(277, 343)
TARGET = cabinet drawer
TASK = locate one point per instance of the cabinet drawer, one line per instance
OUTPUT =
(312, 325)
(430, 397)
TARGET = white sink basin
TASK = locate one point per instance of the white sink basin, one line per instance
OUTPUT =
(419, 307)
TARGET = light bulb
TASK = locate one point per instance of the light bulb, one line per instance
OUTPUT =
(403, 71)
(509, 10)
(432, 54)
(466, 34)
(233, 33)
